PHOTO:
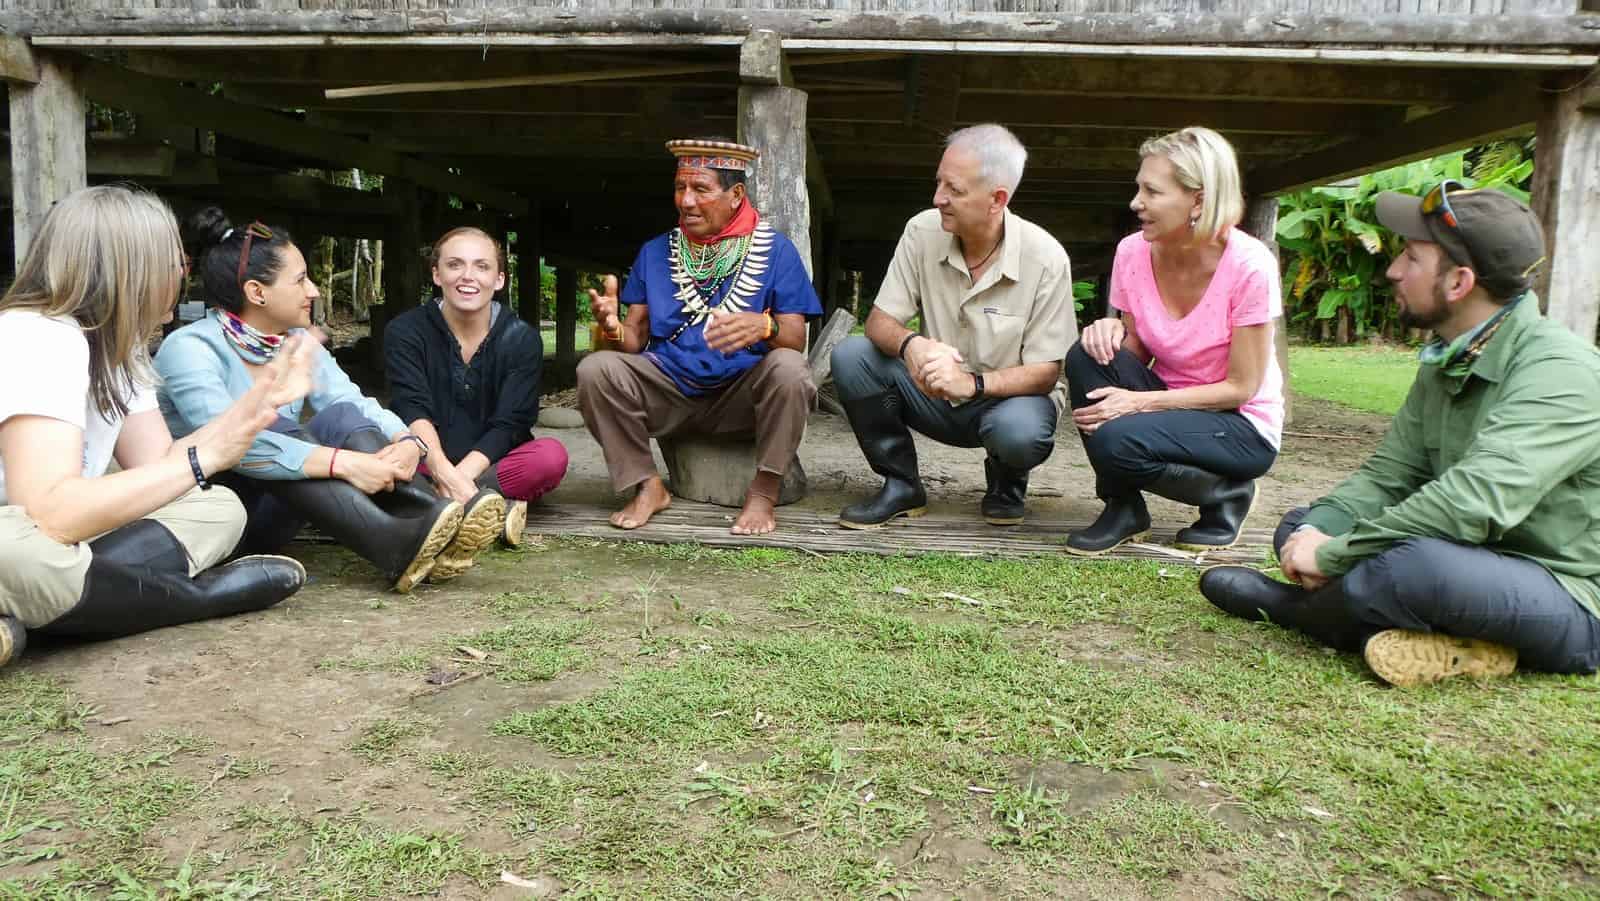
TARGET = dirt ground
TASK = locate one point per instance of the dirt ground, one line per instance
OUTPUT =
(277, 686)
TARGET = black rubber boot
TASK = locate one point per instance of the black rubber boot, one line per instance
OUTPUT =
(409, 497)
(886, 443)
(1253, 595)
(1003, 501)
(402, 544)
(1125, 518)
(138, 580)
(1223, 502)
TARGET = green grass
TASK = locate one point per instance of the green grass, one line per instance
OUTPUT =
(851, 727)
(1374, 379)
(549, 338)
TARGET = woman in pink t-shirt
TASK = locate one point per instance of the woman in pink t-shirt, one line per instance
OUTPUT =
(1180, 394)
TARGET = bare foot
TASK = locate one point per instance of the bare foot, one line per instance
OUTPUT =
(759, 515)
(651, 499)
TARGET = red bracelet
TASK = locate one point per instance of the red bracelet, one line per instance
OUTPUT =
(331, 461)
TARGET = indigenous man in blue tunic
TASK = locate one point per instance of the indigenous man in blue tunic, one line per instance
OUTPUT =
(712, 341)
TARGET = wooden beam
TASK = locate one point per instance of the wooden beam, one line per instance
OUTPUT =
(566, 318)
(773, 118)
(1566, 189)
(1217, 80)
(157, 99)
(1589, 90)
(522, 81)
(536, 26)
(530, 251)
(933, 95)
(1506, 112)
(48, 145)
(17, 65)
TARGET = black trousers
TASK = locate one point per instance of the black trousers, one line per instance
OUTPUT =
(270, 524)
(1433, 585)
(1129, 452)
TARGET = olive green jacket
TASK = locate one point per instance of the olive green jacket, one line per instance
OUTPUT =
(1506, 456)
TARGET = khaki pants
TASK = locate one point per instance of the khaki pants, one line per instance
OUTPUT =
(41, 579)
(626, 400)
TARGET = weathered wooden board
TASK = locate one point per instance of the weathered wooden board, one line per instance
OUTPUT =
(810, 531)
(1515, 22)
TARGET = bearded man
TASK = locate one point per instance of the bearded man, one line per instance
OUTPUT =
(1466, 545)
(712, 342)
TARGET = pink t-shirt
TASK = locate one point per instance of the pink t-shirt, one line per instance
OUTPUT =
(1194, 350)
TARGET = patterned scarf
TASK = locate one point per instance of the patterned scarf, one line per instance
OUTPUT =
(1456, 358)
(252, 346)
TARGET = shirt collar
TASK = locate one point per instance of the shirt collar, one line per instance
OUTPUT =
(1010, 262)
(1491, 364)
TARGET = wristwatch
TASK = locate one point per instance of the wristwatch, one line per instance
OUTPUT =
(977, 384)
(421, 445)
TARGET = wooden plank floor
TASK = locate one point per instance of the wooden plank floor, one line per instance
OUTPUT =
(810, 531)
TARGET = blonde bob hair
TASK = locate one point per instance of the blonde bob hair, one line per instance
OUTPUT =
(110, 258)
(1205, 162)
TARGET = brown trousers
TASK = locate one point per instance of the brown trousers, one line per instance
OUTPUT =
(626, 400)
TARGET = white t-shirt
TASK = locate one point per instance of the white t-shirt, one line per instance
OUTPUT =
(44, 371)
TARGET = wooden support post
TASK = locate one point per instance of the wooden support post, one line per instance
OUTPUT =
(402, 271)
(566, 319)
(1261, 222)
(529, 303)
(772, 118)
(1566, 197)
(49, 150)
(828, 285)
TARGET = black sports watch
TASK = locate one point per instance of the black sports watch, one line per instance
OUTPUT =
(977, 384)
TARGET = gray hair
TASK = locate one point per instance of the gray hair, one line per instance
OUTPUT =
(1000, 155)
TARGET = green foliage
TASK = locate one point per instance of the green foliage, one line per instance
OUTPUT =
(1335, 253)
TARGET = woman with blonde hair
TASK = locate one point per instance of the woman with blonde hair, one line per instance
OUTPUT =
(88, 554)
(1179, 393)
(339, 460)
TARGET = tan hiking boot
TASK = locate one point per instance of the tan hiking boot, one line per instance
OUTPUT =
(1406, 658)
(13, 638)
(516, 521)
(483, 522)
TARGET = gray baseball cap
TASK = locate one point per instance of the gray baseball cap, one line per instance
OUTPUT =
(1492, 233)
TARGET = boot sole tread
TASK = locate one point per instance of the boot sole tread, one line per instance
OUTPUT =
(1406, 658)
(444, 528)
(478, 530)
(913, 513)
(516, 522)
(1081, 552)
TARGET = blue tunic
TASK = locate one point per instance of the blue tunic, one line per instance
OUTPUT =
(772, 279)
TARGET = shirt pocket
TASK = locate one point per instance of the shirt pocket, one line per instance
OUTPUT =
(1003, 346)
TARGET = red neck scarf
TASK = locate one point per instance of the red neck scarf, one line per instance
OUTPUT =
(742, 223)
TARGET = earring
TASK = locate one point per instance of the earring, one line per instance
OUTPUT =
(1194, 221)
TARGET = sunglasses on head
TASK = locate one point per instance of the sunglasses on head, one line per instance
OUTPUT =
(251, 232)
(1436, 203)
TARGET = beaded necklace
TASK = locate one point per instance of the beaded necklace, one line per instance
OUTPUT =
(252, 345)
(709, 265)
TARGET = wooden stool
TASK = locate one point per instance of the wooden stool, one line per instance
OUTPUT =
(718, 471)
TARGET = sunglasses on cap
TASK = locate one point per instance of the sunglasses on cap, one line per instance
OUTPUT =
(1436, 203)
(252, 231)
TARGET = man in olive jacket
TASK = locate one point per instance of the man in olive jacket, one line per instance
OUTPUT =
(1470, 539)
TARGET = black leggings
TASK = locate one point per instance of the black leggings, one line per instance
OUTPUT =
(1129, 452)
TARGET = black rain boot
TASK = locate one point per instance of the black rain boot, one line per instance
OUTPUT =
(1253, 595)
(886, 443)
(1006, 493)
(1125, 518)
(138, 580)
(1224, 503)
(401, 545)
(409, 497)
(482, 521)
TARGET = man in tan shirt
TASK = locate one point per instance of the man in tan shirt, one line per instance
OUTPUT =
(994, 293)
